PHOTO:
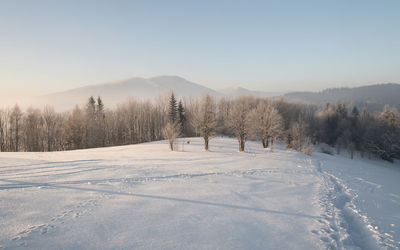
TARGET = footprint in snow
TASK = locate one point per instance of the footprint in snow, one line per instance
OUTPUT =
(16, 238)
(23, 244)
(325, 239)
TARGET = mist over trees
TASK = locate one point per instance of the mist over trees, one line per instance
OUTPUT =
(299, 126)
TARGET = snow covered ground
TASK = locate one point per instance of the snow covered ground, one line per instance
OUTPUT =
(146, 197)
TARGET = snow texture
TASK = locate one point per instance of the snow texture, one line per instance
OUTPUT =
(146, 197)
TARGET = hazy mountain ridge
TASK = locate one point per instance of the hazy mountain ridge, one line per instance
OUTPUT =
(372, 97)
(237, 91)
(115, 92)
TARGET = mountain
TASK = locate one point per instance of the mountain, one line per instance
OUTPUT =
(116, 92)
(372, 97)
(237, 91)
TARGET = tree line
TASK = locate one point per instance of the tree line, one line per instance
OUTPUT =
(300, 126)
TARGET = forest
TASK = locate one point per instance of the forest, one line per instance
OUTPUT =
(333, 127)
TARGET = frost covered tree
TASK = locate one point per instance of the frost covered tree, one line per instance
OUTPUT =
(16, 116)
(266, 123)
(32, 128)
(224, 109)
(135, 121)
(204, 119)
(383, 134)
(299, 139)
(355, 131)
(3, 130)
(49, 122)
(171, 132)
(75, 129)
(238, 119)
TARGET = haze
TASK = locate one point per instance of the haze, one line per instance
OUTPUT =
(49, 46)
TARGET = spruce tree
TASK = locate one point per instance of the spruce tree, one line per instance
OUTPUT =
(173, 109)
(91, 107)
(181, 116)
(90, 123)
(100, 123)
(100, 105)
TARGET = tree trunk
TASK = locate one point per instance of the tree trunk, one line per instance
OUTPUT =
(265, 142)
(16, 136)
(272, 144)
(241, 144)
(206, 143)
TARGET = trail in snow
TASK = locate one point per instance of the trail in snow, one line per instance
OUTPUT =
(361, 197)
(344, 226)
(145, 197)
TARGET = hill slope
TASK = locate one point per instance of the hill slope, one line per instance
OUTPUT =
(144, 196)
(373, 97)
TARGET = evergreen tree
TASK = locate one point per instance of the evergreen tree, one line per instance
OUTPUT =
(173, 109)
(90, 107)
(181, 116)
(90, 140)
(100, 123)
(354, 112)
(100, 106)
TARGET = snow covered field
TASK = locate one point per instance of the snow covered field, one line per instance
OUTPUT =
(146, 197)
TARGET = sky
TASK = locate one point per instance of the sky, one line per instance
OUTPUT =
(50, 46)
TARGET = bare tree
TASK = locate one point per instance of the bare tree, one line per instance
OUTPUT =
(238, 119)
(49, 119)
(171, 132)
(32, 125)
(204, 119)
(75, 129)
(136, 121)
(3, 130)
(266, 123)
(300, 141)
(16, 116)
(224, 109)
(382, 137)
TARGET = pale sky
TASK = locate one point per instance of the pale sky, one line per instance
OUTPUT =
(48, 46)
